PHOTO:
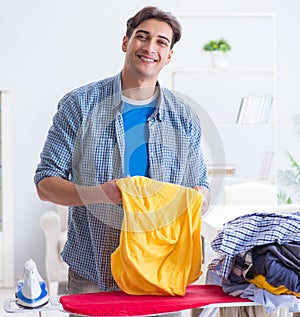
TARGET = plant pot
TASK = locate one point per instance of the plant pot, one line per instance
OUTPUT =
(218, 59)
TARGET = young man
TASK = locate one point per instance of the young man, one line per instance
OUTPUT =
(106, 130)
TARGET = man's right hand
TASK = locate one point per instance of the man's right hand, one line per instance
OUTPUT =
(111, 193)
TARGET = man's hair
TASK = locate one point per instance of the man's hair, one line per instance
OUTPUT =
(150, 12)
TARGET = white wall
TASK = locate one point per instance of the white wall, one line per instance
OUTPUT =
(48, 48)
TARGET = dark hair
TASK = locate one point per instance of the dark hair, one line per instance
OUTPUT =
(157, 14)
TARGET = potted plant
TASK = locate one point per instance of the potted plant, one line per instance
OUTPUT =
(218, 50)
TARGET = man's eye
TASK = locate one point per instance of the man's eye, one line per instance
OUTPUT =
(141, 37)
(163, 43)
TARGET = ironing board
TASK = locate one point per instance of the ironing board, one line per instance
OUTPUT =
(118, 303)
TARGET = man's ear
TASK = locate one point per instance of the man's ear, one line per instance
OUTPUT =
(169, 58)
(124, 43)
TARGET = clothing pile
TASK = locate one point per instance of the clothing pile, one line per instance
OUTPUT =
(260, 259)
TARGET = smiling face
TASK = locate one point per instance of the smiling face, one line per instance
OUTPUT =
(148, 50)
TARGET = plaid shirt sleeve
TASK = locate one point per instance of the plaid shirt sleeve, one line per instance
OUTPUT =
(56, 156)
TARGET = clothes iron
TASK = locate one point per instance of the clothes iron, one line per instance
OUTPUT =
(31, 290)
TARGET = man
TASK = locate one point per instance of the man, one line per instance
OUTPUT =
(93, 142)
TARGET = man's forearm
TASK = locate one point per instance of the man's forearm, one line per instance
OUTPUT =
(59, 191)
(64, 192)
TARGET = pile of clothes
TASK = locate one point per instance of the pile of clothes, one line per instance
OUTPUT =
(260, 259)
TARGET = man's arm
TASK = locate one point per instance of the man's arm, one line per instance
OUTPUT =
(63, 192)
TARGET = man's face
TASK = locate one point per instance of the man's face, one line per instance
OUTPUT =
(149, 49)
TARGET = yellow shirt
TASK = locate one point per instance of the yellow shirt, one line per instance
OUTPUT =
(260, 281)
(160, 244)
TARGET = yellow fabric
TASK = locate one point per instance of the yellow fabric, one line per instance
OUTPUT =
(260, 281)
(160, 244)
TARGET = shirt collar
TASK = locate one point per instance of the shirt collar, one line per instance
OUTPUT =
(117, 92)
(159, 111)
(117, 98)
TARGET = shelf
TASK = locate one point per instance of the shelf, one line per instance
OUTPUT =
(219, 92)
(259, 71)
(228, 15)
(223, 70)
(243, 126)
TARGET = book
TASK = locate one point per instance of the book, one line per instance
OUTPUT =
(266, 165)
(241, 111)
(255, 110)
(221, 169)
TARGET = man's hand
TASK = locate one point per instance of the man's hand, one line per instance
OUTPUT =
(107, 193)
(111, 193)
(206, 198)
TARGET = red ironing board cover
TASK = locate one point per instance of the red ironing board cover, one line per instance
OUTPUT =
(118, 303)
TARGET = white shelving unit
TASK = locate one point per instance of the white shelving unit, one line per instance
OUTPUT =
(6, 197)
(219, 91)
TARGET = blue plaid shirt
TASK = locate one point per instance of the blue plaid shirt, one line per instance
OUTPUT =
(85, 145)
(245, 232)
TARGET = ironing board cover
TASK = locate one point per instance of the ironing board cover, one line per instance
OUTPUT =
(118, 303)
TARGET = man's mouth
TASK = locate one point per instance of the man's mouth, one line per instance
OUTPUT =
(147, 59)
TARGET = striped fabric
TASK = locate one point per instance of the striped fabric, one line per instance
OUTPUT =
(247, 231)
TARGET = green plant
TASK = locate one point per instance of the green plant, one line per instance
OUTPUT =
(289, 180)
(217, 45)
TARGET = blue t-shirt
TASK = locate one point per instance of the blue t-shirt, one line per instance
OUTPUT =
(135, 117)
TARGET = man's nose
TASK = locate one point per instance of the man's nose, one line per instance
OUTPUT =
(150, 47)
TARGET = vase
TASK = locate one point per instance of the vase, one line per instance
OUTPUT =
(218, 59)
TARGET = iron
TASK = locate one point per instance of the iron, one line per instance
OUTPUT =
(31, 291)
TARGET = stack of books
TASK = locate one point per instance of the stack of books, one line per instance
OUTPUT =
(220, 169)
(255, 110)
